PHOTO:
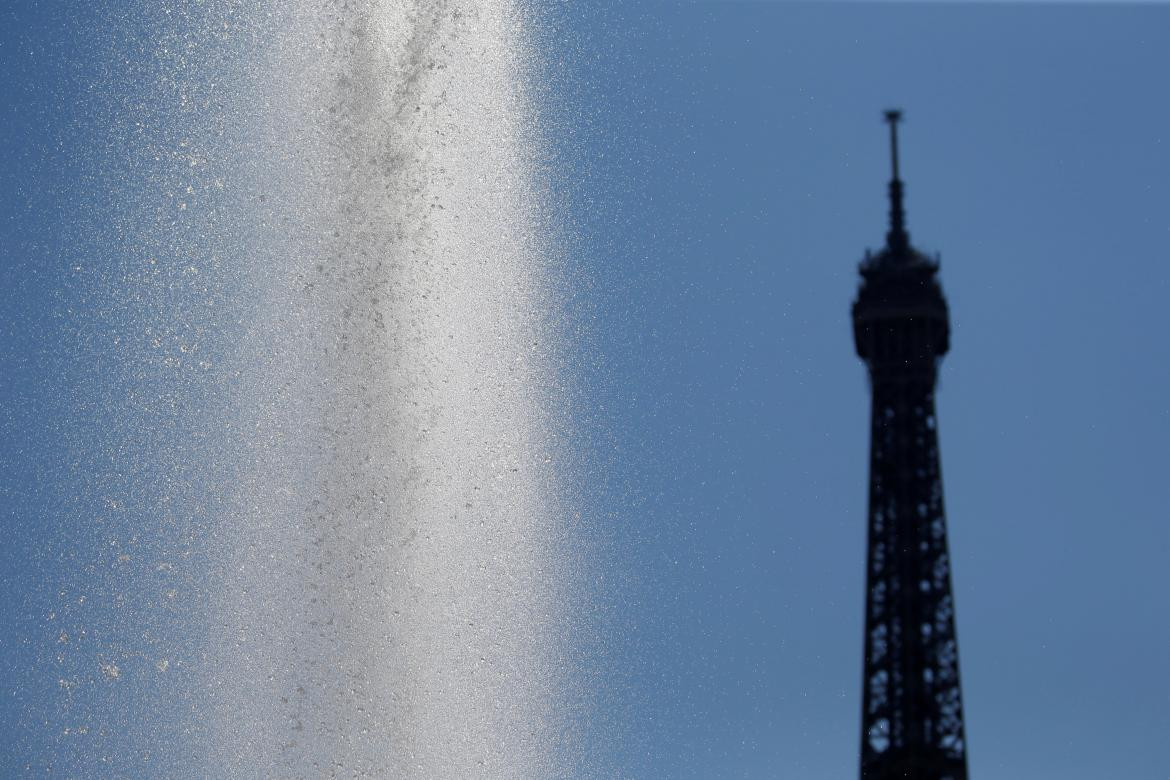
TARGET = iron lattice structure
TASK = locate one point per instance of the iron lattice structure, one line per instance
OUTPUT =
(912, 712)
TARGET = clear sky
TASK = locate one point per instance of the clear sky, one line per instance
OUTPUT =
(734, 164)
(722, 169)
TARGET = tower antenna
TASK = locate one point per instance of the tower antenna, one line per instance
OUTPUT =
(897, 238)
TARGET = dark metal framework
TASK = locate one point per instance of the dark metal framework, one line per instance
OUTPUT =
(912, 712)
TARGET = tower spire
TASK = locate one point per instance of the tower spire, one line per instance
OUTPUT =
(897, 237)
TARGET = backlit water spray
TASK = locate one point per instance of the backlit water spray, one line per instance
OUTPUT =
(350, 555)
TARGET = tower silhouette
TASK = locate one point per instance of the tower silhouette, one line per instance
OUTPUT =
(912, 711)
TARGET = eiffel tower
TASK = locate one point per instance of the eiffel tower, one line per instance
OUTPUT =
(912, 710)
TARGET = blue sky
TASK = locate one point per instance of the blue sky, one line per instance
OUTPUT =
(734, 166)
(723, 168)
